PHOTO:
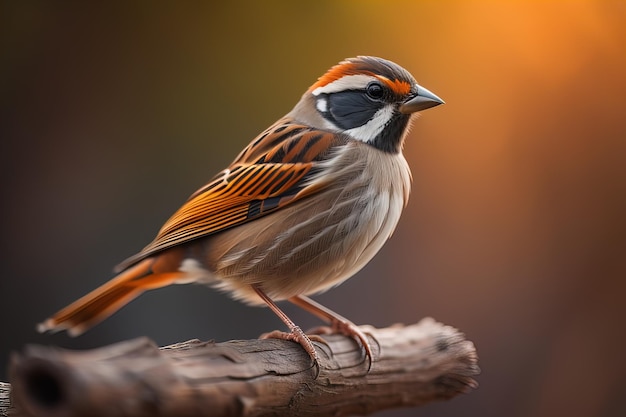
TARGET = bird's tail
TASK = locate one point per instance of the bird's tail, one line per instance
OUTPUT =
(107, 299)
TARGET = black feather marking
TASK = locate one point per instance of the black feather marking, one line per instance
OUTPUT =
(350, 109)
(251, 181)
(390, 139)
(269, 184)
(280, 128)
(308, 145)
(270, 204)
(254, 209)
(293, 142)
(278, 156)
(281, 181)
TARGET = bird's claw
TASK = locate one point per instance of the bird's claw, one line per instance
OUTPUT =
(297, 335)
(349, 329)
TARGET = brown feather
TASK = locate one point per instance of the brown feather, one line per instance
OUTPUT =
(316, 242)
(105, 300)
(273, 167)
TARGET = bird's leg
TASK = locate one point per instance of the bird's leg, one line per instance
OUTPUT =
(338, 323)
(295, 332)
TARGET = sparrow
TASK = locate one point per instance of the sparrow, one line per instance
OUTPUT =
(305, 206)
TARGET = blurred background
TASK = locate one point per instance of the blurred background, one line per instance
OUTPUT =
(111, 115)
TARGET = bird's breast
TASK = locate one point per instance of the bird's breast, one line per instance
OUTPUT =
(318, 241)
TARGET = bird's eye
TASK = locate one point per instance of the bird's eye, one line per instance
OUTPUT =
(375, 90)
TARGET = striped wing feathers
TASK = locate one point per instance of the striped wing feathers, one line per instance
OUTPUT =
(268, 174)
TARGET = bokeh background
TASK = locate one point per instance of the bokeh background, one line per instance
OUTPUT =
(112, 114)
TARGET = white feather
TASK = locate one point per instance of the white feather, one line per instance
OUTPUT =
(369, 131)
(349, 82)
(322, 105)
(194, 272)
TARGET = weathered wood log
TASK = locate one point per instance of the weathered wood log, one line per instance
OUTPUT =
(413, 365)
(5, 402)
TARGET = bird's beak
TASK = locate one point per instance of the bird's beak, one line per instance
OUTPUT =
(422, 100)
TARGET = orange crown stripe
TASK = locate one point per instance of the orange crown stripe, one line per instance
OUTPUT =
(335, 73)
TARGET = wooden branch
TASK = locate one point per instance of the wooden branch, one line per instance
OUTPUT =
(5, 402)
(413, 365)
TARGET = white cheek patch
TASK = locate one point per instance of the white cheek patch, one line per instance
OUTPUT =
(322, 105)
(371, 129)
(349, 82)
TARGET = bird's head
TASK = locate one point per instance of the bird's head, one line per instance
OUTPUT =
(368, 98)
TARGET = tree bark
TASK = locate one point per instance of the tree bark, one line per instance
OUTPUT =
(413, 365)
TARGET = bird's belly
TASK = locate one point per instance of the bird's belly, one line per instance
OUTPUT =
(305, 248)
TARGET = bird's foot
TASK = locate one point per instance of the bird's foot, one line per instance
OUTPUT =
(349, 329)
(338, 324)
(297, 335)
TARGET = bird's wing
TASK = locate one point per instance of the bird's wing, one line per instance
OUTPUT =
(269, 174)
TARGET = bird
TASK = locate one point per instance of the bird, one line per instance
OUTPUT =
(305, 206)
